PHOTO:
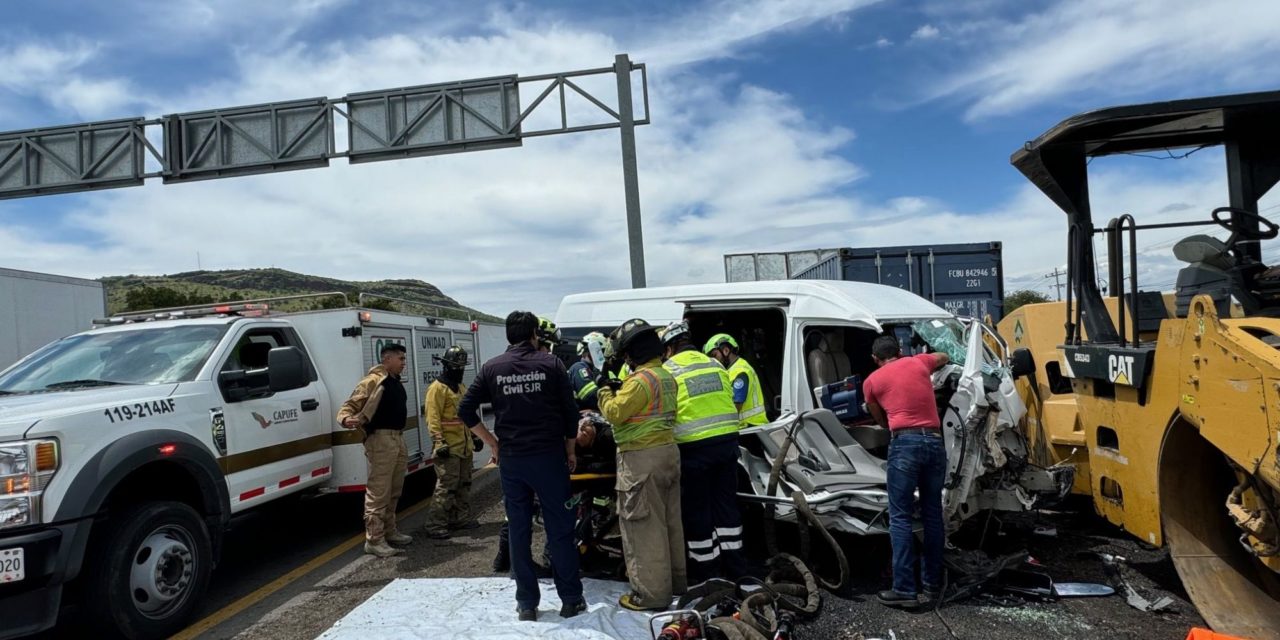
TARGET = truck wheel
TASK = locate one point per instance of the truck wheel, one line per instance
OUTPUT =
(151, 570)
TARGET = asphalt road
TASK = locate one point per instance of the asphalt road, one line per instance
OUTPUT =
(247, 601)
(1067, 555)
(268, 542)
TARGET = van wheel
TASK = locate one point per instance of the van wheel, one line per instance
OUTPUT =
(151, 570)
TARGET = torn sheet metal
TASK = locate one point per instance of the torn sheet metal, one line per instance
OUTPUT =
(840, 469)
(1112, 565)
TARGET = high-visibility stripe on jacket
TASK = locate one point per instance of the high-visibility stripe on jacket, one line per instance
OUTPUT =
(704, 403)
(753, 410)
(649, 395)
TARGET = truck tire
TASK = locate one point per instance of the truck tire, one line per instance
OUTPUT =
(150, 571)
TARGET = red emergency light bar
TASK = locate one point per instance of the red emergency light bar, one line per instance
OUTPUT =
(245, 310)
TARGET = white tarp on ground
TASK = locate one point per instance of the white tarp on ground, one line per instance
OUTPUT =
(485, 609)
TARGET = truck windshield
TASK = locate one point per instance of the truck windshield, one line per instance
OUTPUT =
(142, 356)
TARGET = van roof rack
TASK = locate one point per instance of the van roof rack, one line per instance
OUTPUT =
(246, 308)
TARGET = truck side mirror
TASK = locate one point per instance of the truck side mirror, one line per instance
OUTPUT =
(287, 369)
(1022, 363)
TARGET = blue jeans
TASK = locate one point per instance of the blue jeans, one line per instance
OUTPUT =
(546, 476)
(916, 462)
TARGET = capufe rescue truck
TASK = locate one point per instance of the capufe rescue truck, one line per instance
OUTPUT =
(126, 449)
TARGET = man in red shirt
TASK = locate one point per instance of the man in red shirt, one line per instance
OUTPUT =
(900, 397)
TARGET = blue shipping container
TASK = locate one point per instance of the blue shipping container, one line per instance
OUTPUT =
(965, 279)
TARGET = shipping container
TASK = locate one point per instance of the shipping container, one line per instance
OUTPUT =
(38, 308)
(778, 265)
(965, 279)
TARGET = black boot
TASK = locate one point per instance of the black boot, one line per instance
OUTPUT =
(502, 561)
(891, 598)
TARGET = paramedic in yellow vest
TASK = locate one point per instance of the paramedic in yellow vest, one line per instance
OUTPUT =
(452, 449)
(707, 434)
(747, 395)
(642, 410)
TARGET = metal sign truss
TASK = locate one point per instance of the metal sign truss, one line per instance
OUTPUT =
(406, 122)
(470, 115)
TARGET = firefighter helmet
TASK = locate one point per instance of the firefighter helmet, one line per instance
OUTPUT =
(673, 332)
(548, 333)
(595, 337)
(624, 335)
(455, 357)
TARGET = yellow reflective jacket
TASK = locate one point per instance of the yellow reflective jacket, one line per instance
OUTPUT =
(643, 410)
(441, 410)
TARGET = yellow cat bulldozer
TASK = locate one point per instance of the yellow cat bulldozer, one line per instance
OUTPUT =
(1168, 404)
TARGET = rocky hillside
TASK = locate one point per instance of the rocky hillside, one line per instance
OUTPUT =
(133, 293)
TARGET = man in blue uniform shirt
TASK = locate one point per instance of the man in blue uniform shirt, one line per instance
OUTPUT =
(536, 420)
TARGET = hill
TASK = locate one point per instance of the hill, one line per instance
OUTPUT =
(134, 293)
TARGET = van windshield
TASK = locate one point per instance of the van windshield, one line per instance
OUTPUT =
(162, 355)
(943, 336)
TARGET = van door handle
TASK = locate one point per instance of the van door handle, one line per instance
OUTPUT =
(310, 405)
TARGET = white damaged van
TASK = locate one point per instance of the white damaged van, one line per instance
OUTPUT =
(810, 343)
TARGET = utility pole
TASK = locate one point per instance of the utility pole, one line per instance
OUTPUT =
(630, 174)
(1057, 280)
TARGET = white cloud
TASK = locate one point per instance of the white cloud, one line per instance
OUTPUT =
(245, 22)
(717, 28)
(53, 72)
(725, 167)
(883, 42)
(1093, 51)
(925, 32)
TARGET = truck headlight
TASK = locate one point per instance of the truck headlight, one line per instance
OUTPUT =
(26, 467)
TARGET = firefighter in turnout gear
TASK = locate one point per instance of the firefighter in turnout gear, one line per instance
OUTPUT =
(747, 395)
(642, 410)
(452, 446)
(706, 430)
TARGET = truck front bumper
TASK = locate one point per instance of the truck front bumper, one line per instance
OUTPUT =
(31, 604)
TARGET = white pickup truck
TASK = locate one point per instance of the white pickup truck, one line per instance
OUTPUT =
(126, 449)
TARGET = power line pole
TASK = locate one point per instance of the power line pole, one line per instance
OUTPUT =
(1057, 280)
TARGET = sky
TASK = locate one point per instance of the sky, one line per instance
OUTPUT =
(776, 125)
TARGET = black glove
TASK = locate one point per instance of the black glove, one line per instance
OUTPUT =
(442, 452)
(477, 443)
(605, 380)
